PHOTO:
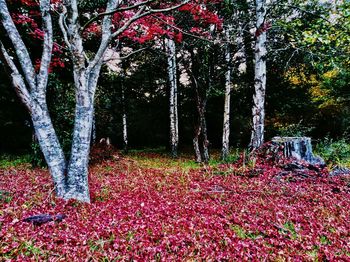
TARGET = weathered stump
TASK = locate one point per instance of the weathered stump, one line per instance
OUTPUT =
(299, 148)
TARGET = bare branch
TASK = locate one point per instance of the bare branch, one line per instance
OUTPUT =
(47, 46)
(132, 53)
(140, 14)
(183, 31)
(17, 79)
(63, 26)
(115, 11)
(106, 35)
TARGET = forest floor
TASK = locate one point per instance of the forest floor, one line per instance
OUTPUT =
(148, 207)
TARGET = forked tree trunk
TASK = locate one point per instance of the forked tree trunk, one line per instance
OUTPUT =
(257, 136)
(31, 89)
(70, 181)
(173, 113)
(200, 140)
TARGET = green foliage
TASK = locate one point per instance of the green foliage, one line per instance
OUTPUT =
(5, 197)
(334, 152)
(289, 228)
(298, 129)
(36, 157)
(7, 161)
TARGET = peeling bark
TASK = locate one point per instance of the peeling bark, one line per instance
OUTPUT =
(77, 180)
(124, 114)
(258, 111)
(173, 113)
(50, 146)
(228, 85)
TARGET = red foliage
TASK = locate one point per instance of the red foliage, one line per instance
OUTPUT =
(148, 214)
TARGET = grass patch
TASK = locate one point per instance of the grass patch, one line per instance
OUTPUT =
(7, 161)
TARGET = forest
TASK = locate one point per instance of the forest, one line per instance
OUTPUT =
(192, 130)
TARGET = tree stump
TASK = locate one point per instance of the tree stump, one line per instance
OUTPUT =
(299, 148)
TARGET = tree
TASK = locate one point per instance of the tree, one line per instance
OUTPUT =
(31, 89)
(257, 137)
(173, 110)
(70, 178)
(228, 87)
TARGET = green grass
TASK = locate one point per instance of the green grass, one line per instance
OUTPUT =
(161, 158)
(7, 160)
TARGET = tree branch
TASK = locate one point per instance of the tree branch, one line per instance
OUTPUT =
(17, 79)
(63, 25)
(47, 47)
(17, 42)
(139, 15)
(115, 11)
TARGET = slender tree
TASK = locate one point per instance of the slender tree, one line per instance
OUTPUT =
(257, 136)
(124, 112)
(173, 108)
(228, 87)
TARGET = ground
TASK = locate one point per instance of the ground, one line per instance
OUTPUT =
(147, 207)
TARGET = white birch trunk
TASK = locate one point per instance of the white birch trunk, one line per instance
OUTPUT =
(77, 180)
(31, 89)
(50, 146)
(257, 137)
(125, 122)
(228, 85)
(124, 111)
(173, 113)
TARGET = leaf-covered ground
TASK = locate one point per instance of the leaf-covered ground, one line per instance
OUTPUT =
(163, 210)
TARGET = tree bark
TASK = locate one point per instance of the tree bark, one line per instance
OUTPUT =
(124, 114)
(31, 86)
(77, 180)
(173, 109)
(257, 136)
(196, 146)
(50, 146)
(299, 148)
(31, 89)
(228, 85)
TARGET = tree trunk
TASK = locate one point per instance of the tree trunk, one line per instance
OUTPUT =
(257, 136)
(196, 146)
(77, 180)
(124, 116)
(173, 113)
(124, 110)
(93, 129)
(50, 146)
(228, 84)
(205, 137)
(31, 89)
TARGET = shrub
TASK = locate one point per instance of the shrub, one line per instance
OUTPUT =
(334, 152)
